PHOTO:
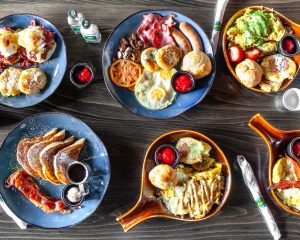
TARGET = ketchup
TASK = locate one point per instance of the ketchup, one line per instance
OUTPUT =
(183, 83)
(82, 75)
(166, 155)
(289, 45)
(296, 149)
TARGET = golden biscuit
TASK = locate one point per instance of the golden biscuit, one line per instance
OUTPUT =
(168, 56)
(148, 59)
(9, 82)
(196, 63)
(32, 81)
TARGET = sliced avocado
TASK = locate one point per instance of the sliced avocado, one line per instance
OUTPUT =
(246, 28)
(257, 28)
(264, 18)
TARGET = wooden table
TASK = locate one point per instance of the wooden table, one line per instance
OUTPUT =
(223, 116)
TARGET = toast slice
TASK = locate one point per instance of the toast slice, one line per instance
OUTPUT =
(64, 157)
(24, 146)
(47, 158)
(33, 154)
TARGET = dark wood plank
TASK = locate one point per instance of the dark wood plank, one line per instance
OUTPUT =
(223, 116)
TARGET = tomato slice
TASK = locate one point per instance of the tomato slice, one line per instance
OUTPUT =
(125, 73)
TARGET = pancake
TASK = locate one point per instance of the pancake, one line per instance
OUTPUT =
(64, 157)
(47, 158)
(24, 146)
(33, 154)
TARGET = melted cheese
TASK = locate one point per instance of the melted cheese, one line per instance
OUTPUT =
(8, 42)
(32, 39)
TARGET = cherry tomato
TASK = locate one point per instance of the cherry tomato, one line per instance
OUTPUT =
(252, 54)
(236, 54)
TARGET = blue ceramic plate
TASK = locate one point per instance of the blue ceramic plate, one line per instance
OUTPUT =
(54, 68)
(94, 153)
(183, 102)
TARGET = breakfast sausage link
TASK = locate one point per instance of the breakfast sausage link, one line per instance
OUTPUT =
(191, 35)
(181, 40)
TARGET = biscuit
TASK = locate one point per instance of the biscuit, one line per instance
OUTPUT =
(32, 81)
(9, 82)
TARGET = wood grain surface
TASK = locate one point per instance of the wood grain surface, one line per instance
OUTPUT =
(223, 116)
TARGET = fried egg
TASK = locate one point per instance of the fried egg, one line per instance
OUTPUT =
(9, 82)
(8, 42)
(154, 90)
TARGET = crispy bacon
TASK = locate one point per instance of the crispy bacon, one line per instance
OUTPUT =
(22, 181)
(155, 30)
(285, 185)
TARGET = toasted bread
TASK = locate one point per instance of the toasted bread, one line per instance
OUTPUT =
(64, 157)
(47, 158)
(33, 154)
(24, 146)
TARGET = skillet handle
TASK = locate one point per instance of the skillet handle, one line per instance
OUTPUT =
(265, 129)
(143, 209)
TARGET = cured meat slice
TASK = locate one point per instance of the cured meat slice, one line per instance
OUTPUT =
(47, 158)
(64, 157)
(33, 154)
(23, 182)
(155, 30)
(24, 146)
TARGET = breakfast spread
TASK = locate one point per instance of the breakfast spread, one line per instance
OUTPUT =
(286, 181)
(146, 61)
(30, 46)
(48, 157)
(194, 185)
(253, 50)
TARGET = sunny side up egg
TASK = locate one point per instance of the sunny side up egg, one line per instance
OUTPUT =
(154, 90)
(8, 42)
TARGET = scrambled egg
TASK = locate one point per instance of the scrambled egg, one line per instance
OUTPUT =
(284, 170)
(256, 27)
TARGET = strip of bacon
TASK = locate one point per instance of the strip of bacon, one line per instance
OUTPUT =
(285, 185)
(22, 181)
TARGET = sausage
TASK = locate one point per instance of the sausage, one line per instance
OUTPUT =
(191, 35)
(181, 41)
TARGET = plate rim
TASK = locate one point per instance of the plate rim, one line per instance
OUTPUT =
(108, 175)
(65, 65)
(213, 74)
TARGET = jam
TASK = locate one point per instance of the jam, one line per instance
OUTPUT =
(167, 156)
(183, 83)
(82, 75)
(288, 45)
(296, 149)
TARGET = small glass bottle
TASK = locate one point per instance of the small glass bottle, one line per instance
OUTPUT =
(90, 32)
(75, 20)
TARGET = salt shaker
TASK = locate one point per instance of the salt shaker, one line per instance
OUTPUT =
(75, 20)
(90, 32)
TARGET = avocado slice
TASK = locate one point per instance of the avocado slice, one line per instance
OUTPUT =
(263, 21)
(244, 25)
